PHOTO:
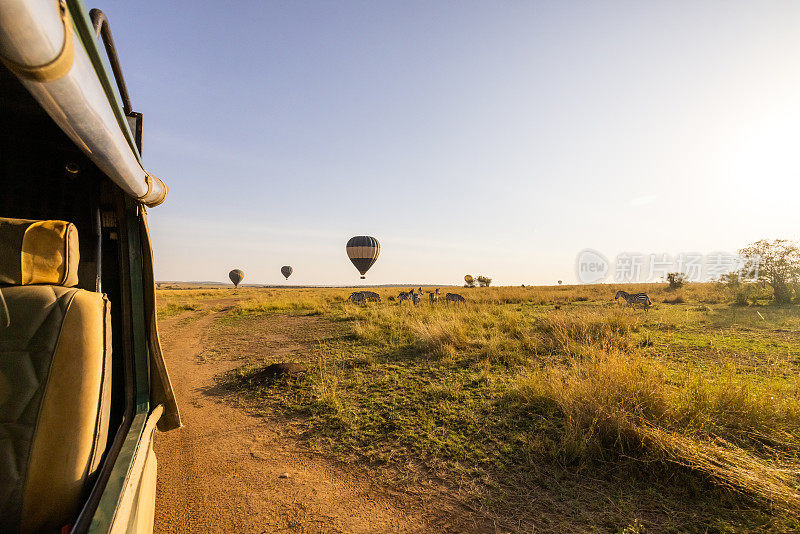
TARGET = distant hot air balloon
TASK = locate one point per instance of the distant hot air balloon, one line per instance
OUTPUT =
(559, 282)
(286, 271)
(236, 276)
(363, 251)
(468, 279)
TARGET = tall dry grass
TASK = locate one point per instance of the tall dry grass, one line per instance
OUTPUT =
(500, 334)
(740, 431)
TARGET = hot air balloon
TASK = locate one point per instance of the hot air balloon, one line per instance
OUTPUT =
(468, 279)
(236, 276)
(559, 282)
(363, 251)
(286, 271)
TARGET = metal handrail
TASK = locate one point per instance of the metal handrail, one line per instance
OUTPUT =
(102, 29)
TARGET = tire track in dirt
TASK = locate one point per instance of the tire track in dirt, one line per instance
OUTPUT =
(222, 471)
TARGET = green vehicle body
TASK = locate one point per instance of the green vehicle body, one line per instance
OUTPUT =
(122, 496)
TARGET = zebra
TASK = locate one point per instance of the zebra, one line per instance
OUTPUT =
(356, 296)
(404, 295)
(364, 296)
(416, 298)
(433, 295)
(631, 299)
(454, 297)
(371, 296)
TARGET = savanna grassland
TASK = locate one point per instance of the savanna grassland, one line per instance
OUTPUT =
(542, 408)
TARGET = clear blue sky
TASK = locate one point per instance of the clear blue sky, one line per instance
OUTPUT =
(496, 138)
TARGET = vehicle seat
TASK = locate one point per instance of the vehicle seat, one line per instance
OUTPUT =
(55, 377)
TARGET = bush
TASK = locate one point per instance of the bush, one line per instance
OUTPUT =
(484, 281)
(676, 281)
(733, 280)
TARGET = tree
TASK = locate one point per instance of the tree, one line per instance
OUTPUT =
(484, 281)
(675, 280)
(775, 262)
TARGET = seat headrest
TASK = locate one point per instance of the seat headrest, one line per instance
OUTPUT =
(38, 252)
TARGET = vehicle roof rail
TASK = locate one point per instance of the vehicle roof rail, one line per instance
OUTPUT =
(102, 29)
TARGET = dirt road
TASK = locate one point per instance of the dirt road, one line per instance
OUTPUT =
(227, 471)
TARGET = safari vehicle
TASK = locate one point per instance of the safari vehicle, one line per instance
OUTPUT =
(83, 384)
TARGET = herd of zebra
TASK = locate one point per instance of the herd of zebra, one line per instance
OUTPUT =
(415, 296)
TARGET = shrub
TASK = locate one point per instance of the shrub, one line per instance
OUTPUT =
(740, 298)
(676, 281)
(733, 280)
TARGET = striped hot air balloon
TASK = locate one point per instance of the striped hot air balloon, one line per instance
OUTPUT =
(287, 271)
(363, 251)
(236, 276)
(468, 278)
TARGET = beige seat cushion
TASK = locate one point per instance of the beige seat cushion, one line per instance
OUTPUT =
(54, 400)
(38, 252)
